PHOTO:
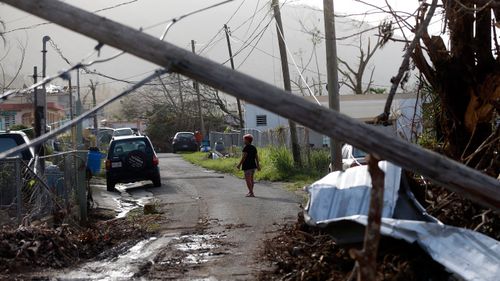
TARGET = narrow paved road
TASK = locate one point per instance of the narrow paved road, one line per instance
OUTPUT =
(223, 230)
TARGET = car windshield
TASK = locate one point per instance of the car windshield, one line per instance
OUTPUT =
(126, 146)
(185, 136)
(8, 143)
(123, 132)
(358, 153)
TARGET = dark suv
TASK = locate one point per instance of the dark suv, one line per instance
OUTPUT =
(184, 141)
(131, 159)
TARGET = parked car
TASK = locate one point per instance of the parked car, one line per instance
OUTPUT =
(131, 159)
(123, 132)
(351, 157)
(184, 141)
(12, 139)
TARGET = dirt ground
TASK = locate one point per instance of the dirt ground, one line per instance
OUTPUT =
(299, 252)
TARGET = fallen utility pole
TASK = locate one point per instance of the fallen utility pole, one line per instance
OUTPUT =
(286, 81)
(451, 174)
(333, 78)
(197, 88)
(238, 102)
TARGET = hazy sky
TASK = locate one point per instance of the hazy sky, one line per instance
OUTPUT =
(144, 13)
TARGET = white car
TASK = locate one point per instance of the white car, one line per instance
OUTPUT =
(123, 132)
(351, 157)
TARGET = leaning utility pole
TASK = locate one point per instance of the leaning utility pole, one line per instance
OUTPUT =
(455, 176)
(286, 80)
(197, 88)
(333, 78)
(240, 115)
(94, 103)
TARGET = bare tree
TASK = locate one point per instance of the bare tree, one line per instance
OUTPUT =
(9, 78)
(354, 75)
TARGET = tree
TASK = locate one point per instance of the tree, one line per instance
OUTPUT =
(170, 105)
(354, 76)
(8, 79)
(466, 76)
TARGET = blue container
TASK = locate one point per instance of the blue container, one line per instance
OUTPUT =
(94, 161)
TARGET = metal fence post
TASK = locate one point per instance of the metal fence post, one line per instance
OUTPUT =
(19, 195)
(81, 190)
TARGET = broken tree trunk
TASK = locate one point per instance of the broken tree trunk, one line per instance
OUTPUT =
(367, 258)
(457, 177)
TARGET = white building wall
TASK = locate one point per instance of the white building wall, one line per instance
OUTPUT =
(273, 120)
(403, 109)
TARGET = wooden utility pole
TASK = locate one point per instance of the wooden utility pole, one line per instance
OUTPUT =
(333, 78)
(181, 97)
(197, 88)
(94, 103)
(286, 81)
(37, 113)
(240, 115)
(455, 176)
(79, 137)
(71, 112)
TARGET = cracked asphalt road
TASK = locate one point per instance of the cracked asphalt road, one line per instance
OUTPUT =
(216, 231)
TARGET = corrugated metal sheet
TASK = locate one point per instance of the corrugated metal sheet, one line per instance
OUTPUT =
(339, 202)
(465, 253)
(342, 194)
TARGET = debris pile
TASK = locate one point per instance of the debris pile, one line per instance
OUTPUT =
(300, 252)
(39, 246)
(28, 247)
(452, 209)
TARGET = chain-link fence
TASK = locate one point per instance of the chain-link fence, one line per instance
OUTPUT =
(55, 194)
(276, 137)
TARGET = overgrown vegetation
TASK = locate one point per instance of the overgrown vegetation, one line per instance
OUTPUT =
(276, 163)
(171, 105)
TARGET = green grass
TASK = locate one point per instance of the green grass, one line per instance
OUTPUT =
(276, 165)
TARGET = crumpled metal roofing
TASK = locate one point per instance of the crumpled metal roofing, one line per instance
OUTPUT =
(340, 201)
(351, 193)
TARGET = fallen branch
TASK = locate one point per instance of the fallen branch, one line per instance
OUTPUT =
(384, 117)
(367, 258)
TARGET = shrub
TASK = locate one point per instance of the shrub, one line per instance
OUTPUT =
(319, 160)
(282, 159)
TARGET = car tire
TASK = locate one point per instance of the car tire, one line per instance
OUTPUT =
(110, 185)
(156, 181)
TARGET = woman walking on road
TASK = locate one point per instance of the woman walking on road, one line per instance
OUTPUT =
(249, 163)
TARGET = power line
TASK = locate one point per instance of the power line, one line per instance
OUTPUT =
(295, 64)
(43, 138)
(46, 23)
(237, 28)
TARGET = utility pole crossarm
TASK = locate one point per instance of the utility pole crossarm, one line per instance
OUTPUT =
(453, 175)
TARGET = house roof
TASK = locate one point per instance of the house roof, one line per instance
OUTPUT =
(20, 106)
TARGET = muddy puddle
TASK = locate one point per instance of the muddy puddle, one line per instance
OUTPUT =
(196, 249)
(132, 196)
(122, 266)
(171, 253)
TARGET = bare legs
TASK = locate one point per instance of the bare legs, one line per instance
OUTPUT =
(250, 183)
